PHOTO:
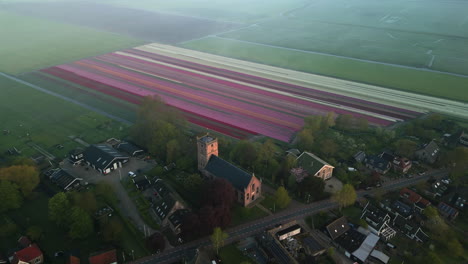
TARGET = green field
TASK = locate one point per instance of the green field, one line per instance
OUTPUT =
(35, 117)
(424, 82)
(28, 43)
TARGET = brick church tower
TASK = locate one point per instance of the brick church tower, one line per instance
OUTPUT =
(206, 146)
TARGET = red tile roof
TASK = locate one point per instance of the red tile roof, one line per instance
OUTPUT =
(27, 254)
(73, 260)
(413, 197)
(24, 241)
(107, 257)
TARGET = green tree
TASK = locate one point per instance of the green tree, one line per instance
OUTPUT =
(10, 196)
(84, 200)
(25, 176)
(217, 238)
(344, 122)
(81, 224)
(311, 187)
(282, 198)
(346, 196)
(313, 123)
(106, 192)
(173, 150)
(454, 247)
(111, 230)
(292, 181)
(328, 147)
(59, 209)
(328, 120)
(7, 227)
(34, 232)
(405, 147)
(244, 154)
(193, 182)
(306, 139)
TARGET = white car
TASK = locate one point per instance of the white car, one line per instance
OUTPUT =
(132, 174)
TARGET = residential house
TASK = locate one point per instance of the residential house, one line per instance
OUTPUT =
(338, 227)
(104, 158)
(166, 206)
(360, 156)
(314, 166)
(176, 219)
(463, 139)
(409, 228)
(312, 246)
(141, 182)
(413, 198)
(130, 149)
(73, 260)
(289, 232)
(247, 187)
(64, 180)
(398, 207)
(428, 153)
(76, 156)
(377, 164)
(447, 211)
(293, 152)
(401, 165)
(378, 221)
(28, 255)
(104, 257)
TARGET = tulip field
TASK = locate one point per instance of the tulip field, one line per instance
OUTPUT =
(233, 103)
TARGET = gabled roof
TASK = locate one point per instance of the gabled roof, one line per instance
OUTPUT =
(161, 188)
(129, 148)
(178, 216)
(447, 210)
(414, 197)
(238, 177)
(312, 244)
(164, 206)
(24, 241)
(364, 250)
(27, 254)
(431, 149)
(376, 215)
(311, 163)
(294, 152)
(360, 156)
(141, 181)
(338, 227)
(377, 162)
(106, 257)
(102, 155)
(63, 178)
(387, 156)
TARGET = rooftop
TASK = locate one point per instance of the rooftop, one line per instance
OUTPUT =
(206, 139)
(101, 155)
(238, 177)
(103, 257)
(27, 254)
(311, 163)
(338, 227)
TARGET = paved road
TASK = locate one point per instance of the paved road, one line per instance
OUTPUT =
(255, 227)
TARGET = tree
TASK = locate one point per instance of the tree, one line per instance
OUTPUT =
(10, 196)
(173, 150)
(219, 192)
(282, 198)
(405, 147)
(265, 155)
(111, 230)
(311, 187)
(106, 192)
(84, 200)
(305, 139)
(59, 208)
(454, 247)
(346, 196)
(7, 227)
(24, 176)
(34, 232)
(81, 224)
(344, 122)
(328, 120)
(193, 182)
(244, 154)
(313, 123)
(156, 242)
(217, 238)
(328, 147)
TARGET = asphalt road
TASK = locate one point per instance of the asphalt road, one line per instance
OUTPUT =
(259, 225)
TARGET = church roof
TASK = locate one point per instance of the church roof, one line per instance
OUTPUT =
(238, 177)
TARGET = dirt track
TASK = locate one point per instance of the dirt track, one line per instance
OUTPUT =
(410, 101)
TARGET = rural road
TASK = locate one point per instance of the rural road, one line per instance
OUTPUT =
(116, 118)
(258, 226)
(397, 98)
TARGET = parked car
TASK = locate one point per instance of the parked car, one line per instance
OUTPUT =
(132, 174)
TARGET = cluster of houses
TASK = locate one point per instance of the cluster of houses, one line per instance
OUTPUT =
(27, 252)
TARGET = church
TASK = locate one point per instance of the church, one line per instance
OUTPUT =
(248, 188)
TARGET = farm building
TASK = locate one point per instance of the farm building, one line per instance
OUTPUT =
(76, 156)
(104, 158)
(315, 166)
(64, 180)
(248, 188)
(130, 149)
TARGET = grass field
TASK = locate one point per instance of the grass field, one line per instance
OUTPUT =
(232, 255)
(424, 82)
(32, 116)
(28, 43)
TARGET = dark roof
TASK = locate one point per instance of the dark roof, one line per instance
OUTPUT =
(405, 226)
(63, 178)
(447, 210)
(178, 216)
(387, 156)
(338, 227)
(238, 177)
(206, 139)
(376, 215)
(141, 182)
(312, 244)
(402, 208)
(161, 188)
(76, 151)
(431, 149)
(278, 252)
(101, 155)
(294, 152)
(287, 230)
(311, 163)
(106, 257)
(378, 163)
(129, 148)
(164, 206)
(421, 235)
(360, 156)
(351, 240)
(24, 241)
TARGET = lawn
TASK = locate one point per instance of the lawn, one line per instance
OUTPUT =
(232, 255)
(35, 117)
(418, 81)
(29, 43)
(241, 215)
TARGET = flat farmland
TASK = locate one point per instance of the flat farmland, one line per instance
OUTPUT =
(29, 43)
(34, 117)
(231, 102)
(140, 24)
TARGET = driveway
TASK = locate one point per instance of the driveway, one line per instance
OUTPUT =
(126, 205)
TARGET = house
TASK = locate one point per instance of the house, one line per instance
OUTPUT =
(360, 156)
(378, 221)
(104, 257)
(104, 158)
(248, 188)
(409, 228)
(176, 219)
(377, 164)
(289, 232)
(76, 156)
(165, 207)
(141, 182)
(130, 149)
(428, 153)
(401, 165)
(387, 156)
(293, 152)
(73, 260)
(28, 255)
(314, 165)
(447, 211)
(338, 227)
(24, 242)
(413, 198)
(463, 139)
(64, 180)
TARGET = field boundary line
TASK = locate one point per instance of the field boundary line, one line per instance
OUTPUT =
(116, 118)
